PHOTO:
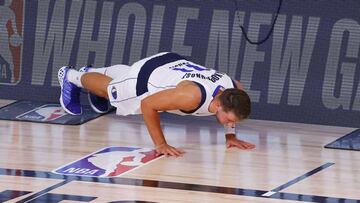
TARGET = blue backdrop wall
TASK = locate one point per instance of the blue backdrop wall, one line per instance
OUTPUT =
(306, 71)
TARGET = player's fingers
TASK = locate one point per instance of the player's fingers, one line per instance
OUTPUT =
(168, 152)
(158, 153)
(250, 146)
(181, 151)
(175, 152)
(165, 152)
(172, 151)
(238, 145)
(245, 145)
(231, 144)
(242, 146)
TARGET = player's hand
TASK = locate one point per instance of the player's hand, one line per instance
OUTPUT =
(232, 141)
(168, 150)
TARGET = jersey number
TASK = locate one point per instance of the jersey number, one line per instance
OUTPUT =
(190, 68)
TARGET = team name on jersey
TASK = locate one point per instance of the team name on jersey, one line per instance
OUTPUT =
(213, 78)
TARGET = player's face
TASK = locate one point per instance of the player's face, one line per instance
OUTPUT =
(225, 118)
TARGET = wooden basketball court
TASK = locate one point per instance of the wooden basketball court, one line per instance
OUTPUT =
(289, 163)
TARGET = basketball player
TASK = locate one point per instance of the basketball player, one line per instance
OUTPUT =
(163, 82)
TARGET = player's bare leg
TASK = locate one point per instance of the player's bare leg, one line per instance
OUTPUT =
(95, 80)
(96, 83)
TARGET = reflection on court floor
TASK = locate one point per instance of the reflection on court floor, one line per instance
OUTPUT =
(288, 164)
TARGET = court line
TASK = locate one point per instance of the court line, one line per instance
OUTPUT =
(10, 194)
(175, 185)
(42, 192)
(298, 179)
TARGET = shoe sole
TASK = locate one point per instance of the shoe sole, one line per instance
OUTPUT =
(65, 109)
(61, 98)
(93, 106)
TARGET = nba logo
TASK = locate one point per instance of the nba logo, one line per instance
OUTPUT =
(109, 162)
(45, 113)
(11, 35)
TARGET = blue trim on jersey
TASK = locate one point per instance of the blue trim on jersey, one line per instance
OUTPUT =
(216, 90)
(149, 67)
(183, 70)
(203, 98)
(233, 82)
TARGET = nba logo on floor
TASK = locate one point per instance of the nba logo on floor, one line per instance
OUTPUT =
(45, 113)
(109, 162)
(11, 32)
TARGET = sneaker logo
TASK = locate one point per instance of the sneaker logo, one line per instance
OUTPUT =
(114, 92)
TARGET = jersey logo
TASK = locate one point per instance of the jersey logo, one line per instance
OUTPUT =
(114, 92)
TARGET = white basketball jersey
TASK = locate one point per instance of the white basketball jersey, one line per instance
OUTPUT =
(163, 71)
(209, 81)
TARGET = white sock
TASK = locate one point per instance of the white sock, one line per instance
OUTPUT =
(74, 77)
(97, 70)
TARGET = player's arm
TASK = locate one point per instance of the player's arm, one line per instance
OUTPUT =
(186, 96)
